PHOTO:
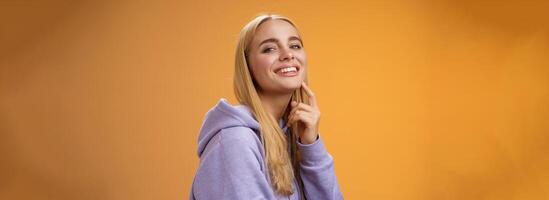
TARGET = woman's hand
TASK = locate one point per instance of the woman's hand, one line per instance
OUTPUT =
(308, 117)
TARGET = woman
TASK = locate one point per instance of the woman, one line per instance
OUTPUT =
(247, 151)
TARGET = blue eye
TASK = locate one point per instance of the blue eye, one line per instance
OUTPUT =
(296, 46)
(267, 50)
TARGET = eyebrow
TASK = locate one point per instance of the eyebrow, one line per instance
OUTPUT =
(276, 40)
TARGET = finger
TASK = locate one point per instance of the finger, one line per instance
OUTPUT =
(300, 116)
(293, 118)
(302, 110)
(312, 98)
(303, 118)
(289, 122)
(302, 106)
(290, 118)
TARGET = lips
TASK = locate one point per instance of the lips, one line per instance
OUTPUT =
(287, 71)
(286, 68)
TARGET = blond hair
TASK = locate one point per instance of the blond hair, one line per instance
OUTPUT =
(280, 152)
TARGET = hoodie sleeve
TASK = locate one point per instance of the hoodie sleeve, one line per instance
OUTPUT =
(232, 168)
(317, 172)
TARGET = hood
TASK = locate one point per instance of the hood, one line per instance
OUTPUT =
(223, 115)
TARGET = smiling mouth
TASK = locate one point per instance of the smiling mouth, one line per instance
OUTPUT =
(287, 71)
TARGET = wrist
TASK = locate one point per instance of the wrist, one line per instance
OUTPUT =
(308, 140)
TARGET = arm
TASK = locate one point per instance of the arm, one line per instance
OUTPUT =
(232, 168)
(317, 172)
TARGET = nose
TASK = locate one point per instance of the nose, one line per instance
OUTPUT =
(286, 54)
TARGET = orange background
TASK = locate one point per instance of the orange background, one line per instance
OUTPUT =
(420, 99)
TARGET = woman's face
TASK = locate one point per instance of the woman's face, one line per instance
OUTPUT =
(277, 58)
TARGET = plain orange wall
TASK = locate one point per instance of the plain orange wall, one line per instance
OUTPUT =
(420, 99)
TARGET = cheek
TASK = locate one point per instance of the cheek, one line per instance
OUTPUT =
(262, 63)
(258, 65)
(302, 59)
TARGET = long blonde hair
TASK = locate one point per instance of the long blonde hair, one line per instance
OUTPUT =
(280, 149)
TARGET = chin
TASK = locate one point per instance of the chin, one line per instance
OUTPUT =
(286, 85)
(291, 87)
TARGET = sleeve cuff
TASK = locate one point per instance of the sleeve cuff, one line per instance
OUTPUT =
(314, 152)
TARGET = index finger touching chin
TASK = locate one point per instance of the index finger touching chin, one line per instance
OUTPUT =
(312, 98)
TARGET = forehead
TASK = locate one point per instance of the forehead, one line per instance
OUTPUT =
(279, 29)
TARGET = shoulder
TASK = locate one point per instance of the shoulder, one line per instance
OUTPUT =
(239, 135)
(240, 147)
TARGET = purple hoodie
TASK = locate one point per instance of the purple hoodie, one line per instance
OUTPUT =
(232, 165)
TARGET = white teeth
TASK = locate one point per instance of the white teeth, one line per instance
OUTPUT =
(288, 69)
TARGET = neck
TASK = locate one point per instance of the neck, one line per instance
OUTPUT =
(275, 104)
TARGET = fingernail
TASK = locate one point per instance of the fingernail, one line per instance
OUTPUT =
(294, 103)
